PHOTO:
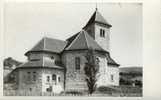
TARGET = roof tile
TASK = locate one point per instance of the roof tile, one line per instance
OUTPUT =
(83, 41)
(49, 44)
(41, 63)
(98, 18)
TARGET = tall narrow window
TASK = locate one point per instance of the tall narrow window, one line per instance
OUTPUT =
(54, 77)
(58, 79)
(34, 76)
(48, 78)
(112, 78)
(30, 89)
(29, 76)
(77, 63)
(102, 33)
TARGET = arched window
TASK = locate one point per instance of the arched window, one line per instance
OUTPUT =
(52, 57)
(54, 77)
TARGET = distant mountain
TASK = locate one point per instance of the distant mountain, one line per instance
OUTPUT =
(131, 69)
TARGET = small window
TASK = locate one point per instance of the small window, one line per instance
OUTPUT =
(29, 76)
(49, 89)
(34, 76)
(54, 77)
(112, 78)
(52, 57)
(30, 89)
(102, 33)
(58, 79)
(97, 60)
(77, 63)
(48, 78)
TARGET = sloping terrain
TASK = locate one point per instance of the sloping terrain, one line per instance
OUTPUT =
(130, 69)
(131, 75)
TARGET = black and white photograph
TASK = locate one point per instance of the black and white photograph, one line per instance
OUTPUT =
(73, 49)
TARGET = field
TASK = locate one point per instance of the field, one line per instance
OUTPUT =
(119, 91)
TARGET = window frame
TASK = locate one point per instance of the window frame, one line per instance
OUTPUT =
(77, 63)
(59, 79)
(112, 77)
(54, 77)
(29, 76)
(34, 76)
(48, 78)
(102, 32)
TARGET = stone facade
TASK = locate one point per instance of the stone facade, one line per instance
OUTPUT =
(75, 79)
(57, 84)
(36, 80)
(26, 81)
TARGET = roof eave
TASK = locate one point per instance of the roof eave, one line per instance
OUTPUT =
(38, 67)
(114, 64)
(44, 51)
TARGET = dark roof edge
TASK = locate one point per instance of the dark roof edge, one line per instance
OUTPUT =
(38, 67)
(114, 64)
(85, 49)
(106, 25)
(45, 51)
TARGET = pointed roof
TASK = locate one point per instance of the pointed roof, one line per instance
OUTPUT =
(97, 18)
(70, 39)
(50, 45)
(83, 41)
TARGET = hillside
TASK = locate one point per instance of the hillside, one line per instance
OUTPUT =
(10, 62)
(128, 75)
(131, 69)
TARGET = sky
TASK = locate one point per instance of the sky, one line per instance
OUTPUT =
(26, 23)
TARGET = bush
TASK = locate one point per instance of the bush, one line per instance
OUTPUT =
(125, 82)
(104, 89)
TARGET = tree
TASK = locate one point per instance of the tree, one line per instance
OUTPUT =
(91, 69)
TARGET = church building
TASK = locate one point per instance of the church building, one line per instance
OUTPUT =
(54, 65)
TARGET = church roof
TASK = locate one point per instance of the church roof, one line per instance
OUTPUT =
(82, 40)
(111, 61)
(50, 45)
(70, 39)
(43, 63)
(97, 18)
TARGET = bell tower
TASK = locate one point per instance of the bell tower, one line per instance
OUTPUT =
(98, 28)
